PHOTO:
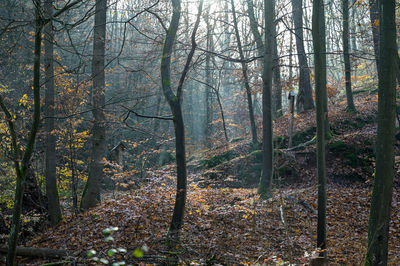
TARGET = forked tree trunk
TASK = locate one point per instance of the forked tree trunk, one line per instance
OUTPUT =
(304, 97)
(174, 102)
(91, 192)
(378, 229)
(53, 201)
(318, 34)
(245, 78)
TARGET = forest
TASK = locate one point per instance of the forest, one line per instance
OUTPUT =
(182, 132)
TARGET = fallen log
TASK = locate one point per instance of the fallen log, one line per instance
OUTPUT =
(45, 253)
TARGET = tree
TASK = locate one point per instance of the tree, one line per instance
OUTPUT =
(378, 229)
(91, 192)
(304, 98)
(374, 17)
(21, 160)
(277, 92)
(346, 55)
(54, 208)
(268, 150)
(277, 95)
(21, 164)
(245, 78)
(174, 102)
(318, 34)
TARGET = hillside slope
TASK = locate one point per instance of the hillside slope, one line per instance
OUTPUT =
(227, 223)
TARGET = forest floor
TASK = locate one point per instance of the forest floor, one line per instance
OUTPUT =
(227, 223)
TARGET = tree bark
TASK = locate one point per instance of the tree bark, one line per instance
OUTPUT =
(91, 193)
(174, 102)
(21, 166)
(378, 230)
(208, 102)
(277, 92)
(41, 252)
(346, 55)
(245, 78)
(265, 185)
(53, 201)
(304, 97)
(374, 17)
(318, 33)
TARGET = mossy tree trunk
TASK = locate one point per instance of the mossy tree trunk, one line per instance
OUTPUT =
(174, 102)
(21, 164)
(318, 34)
(378, 230)
(346, 55)
(54, 208)
(264, 188)
(91, 192)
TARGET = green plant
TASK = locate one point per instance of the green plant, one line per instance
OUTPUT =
(110, 256)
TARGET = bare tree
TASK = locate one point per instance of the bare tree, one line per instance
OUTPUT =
(378, 229)
(91, 192)
(268, 150)
(174, 102)
(54, 208)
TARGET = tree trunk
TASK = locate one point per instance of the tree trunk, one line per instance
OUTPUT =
(318, 33)
(304, 96)
(53, 201)
(208, 102)
(245, 78)
(174, 102)
(374, 17)
(91, 193)
(41, 252)
(378, 230)
(264, 188)
(346, 55)
(277, 94)
(21, 167)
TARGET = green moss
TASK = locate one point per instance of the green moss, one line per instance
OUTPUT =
(361, 91)
(218, 159)
(257, 156)
(236, 139)
(304, 136)
(354, 156)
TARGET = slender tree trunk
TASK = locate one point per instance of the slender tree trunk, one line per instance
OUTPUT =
(264, 188)
(346, 55)
(277, 94)
(378, 230)
(174, 102)
(245, 79)
(91, 193)
(354, 38)
(21, 166)
(222, 116)
(304, 97)
(374, 17)
(318, 33)
(53, 201)
(208, 102)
